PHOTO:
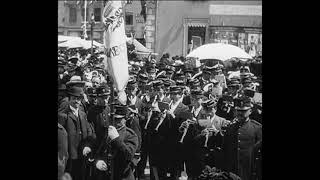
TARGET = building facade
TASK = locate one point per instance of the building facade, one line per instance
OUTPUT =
(184, 25)
(71, 18)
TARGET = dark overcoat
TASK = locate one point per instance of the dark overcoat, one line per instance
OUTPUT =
(80, 132)
(122, 150)
(240, 142)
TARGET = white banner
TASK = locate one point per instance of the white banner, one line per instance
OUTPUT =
(116, 48)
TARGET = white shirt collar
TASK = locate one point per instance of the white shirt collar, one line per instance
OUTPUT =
(196, 111)
(74, 110)
(162, 97)
(134, 99)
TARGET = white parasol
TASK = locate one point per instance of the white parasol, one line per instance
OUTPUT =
(79, 43)
(219, 51)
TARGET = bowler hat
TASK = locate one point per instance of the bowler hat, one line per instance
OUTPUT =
(243, 103)
(120, 111)
(75, 91)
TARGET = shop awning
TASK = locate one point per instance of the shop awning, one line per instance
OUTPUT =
(196, 24)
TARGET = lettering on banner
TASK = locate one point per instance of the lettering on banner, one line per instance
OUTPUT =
(116, 50)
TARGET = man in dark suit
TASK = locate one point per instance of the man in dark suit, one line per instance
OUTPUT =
(178, 113)
(192, 129)
(242, 137)
(81, 134)
(155, 139)
(113, 161)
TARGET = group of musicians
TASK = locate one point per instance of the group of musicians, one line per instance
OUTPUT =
(177, 118)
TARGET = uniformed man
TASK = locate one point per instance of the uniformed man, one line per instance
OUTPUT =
(114, 159)
(243, 136)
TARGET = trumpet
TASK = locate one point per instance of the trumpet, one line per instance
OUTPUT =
(188, 121)
(163, 115)
(209, 131)
(150, 113)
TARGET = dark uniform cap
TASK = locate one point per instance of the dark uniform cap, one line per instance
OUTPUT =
(245, 75)
(249, 92)
(246, 80)
(151, 70)
(208, 103)
(194, 83)
(175, 89)
(92, 91)
(132, 81)
(73, 60)
(243, 103)
(244, 69)
(180, 82)
(143, 77)
(157, 83)
(168, 82)
(103, 91)
(120, 111)
(196, 92)
(162, 77)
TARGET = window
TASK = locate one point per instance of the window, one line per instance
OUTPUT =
(97, 14)
(73, 15)
(129, 1)
(129, 19)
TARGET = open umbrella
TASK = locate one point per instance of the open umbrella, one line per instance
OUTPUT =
(79, 43)
(219, 51)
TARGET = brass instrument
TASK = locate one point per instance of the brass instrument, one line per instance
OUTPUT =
(163, 116)
(193, 121)
(150, 113)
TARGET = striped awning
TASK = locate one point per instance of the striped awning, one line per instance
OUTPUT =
(196, 24)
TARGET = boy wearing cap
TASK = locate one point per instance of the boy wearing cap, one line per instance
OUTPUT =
(211, 124)
(242, 137)
(81, 135)
(114, 158)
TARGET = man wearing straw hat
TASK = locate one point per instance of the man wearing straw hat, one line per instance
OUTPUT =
(80, 132)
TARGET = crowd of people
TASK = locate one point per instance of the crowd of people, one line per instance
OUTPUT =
(183, 120)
